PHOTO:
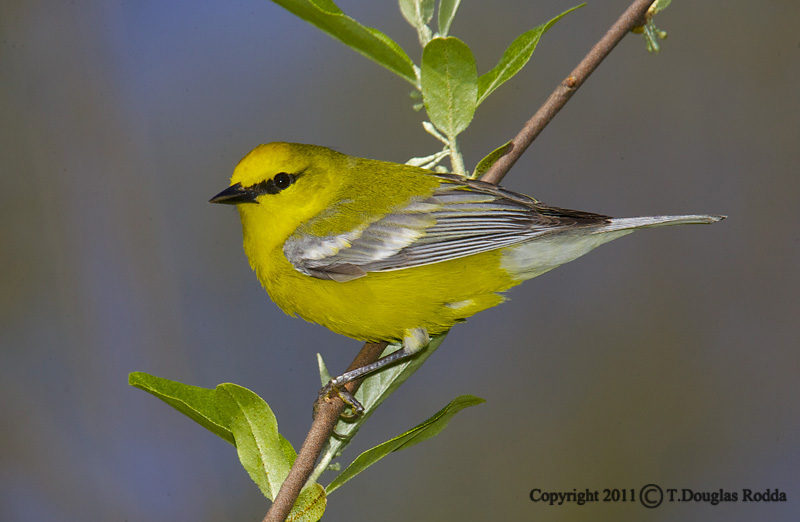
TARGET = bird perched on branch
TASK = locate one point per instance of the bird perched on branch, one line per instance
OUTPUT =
(380, 251)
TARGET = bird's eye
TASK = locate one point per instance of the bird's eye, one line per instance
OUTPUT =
(283, 180)
(274, 185)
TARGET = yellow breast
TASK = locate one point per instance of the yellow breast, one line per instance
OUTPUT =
(383, 305)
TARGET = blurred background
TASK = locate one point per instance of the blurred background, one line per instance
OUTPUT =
(668, 357)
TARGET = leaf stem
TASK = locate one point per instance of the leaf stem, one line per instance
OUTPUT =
(456, 159)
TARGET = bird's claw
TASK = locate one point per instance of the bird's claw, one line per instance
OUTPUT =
(334, 389)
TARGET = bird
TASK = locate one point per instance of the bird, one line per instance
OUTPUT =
(386, 252)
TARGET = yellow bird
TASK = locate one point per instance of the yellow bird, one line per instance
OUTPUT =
(379, 251)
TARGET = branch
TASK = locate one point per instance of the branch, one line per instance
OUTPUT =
(328, 412)
(631, 18)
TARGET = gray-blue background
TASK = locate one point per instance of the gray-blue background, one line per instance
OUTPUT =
(668, 357)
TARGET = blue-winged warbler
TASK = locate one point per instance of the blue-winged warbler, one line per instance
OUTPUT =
(379, 251)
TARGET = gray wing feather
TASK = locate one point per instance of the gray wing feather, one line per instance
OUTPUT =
(461, 218)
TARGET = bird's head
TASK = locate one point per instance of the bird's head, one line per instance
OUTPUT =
(277, 186)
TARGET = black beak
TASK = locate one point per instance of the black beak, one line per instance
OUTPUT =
(234, 195)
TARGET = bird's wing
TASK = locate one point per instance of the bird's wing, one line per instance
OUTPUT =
(461, 218)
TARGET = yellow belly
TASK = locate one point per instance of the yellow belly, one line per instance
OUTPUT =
(383, 305)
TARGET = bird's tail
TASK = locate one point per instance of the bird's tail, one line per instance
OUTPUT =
(656, 221)
(532, 258)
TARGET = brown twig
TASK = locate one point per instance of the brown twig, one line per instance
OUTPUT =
(632, 17)
(328, 412)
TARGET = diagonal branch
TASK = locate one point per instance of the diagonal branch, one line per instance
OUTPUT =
(631, 18)
(328, 411)
(326, 415)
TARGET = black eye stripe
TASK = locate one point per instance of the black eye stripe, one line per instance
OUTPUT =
(275, 184)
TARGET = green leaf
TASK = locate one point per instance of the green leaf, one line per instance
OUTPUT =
(255, 430)
(426, 430)
(310, 504)
(379, 386)
(417, 12)
(288, 450)
(491, 158)
(237, 415)
(447, 11)
(449, 84)
(653, 34)
(199, 404)
(514, 58)
(373, 391)
(658, 6)
(324, 374)
(370, 42)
